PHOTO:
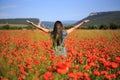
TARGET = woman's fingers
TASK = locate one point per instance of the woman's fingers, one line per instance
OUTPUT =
(28, 21)
(86, 21)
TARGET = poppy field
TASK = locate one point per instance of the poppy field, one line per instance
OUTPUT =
(91, 55)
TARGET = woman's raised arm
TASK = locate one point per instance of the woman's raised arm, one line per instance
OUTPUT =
(76, 26)
(38, 26)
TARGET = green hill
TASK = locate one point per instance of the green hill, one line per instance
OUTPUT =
(99, 18)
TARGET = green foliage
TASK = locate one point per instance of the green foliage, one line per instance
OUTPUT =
(6, 27)
(110, 26)
(16, 28)
(69, 26)
(93, 27)
(83, 27)
(29, 27)
(104, 26)
(114, 26)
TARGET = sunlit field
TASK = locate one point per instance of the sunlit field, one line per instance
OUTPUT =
(91, 55)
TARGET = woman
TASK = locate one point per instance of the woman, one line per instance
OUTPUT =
(58, 35)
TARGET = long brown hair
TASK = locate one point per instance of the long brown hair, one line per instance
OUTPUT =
(57, 33)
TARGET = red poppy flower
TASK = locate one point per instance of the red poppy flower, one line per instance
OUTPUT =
(107, 77)
(113, 75)
(96, 73)
(73, 76)
(117, 59)
(118, 72)
(76, 75)
(47, 76)
(114, 65)
(103, 72)
(63, 67)
(4, 79)
(76, 67)
(86, 67)
(22, 71)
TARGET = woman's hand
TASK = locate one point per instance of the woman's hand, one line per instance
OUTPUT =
(29, 22)
(85, 21)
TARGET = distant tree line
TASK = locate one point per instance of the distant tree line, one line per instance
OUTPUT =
(29, 27)
(102, 26)
(109, 26)
(8, 27)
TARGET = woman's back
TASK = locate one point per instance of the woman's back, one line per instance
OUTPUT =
(60, 49)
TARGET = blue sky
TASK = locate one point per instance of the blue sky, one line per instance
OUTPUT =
(52, 10)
